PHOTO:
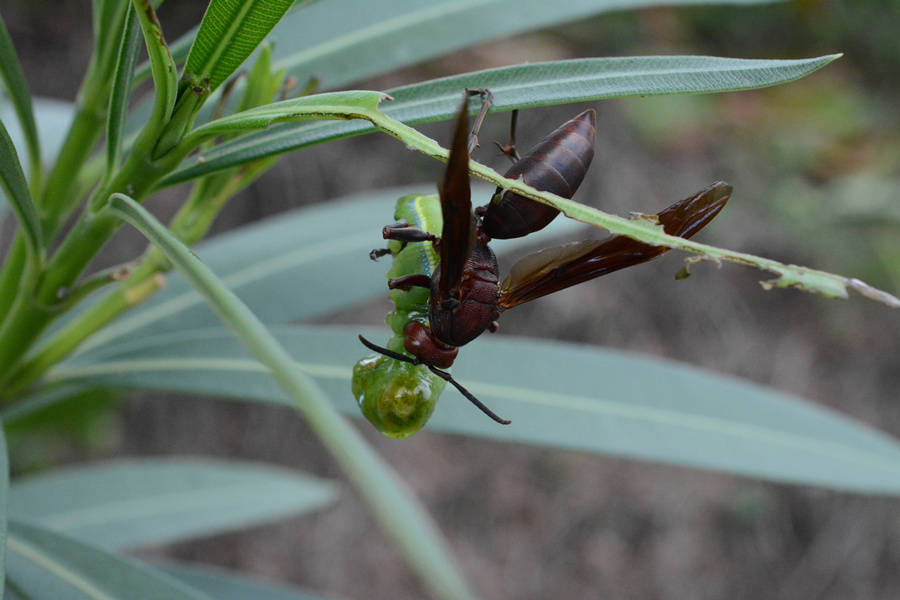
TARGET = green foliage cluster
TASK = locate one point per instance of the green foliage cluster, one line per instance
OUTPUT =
(65, 334)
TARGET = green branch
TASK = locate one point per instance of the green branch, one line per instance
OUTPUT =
(804, 278)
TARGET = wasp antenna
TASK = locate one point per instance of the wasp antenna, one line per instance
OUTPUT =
(448, 377)
(509, 150)
(386, 352)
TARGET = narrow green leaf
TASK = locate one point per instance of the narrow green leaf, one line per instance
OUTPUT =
(402, 518)
(224, 585)
(121, 89)
(793, 276)
(804, 278)
(130, 503)
(14, 80)
(229, 32)
(179, 50)
(334, 105)
(106, 14)
(162, 67)
(342, 41)
(520, 86)
(13, 182)
(274, 265)
(559, 395)
(44, 564)
(4, 505)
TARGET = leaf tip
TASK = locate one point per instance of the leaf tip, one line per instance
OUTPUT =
(874, 293)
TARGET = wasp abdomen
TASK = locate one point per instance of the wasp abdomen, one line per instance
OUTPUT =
(557, 165)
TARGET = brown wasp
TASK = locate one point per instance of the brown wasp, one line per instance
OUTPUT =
(465, 295)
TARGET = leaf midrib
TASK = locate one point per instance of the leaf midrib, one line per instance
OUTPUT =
(130, 509)
(376, 30)
(42, 559)
(538, 398)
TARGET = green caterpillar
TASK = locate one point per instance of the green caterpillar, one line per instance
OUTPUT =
(397, 397)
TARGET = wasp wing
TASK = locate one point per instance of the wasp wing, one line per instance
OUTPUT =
(456, 206)
(554, 269)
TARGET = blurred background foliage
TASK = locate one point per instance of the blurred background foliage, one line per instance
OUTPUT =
(816, 169)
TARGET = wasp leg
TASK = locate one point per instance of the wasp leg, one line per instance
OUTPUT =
(405, 282)
(377, 253)
(487, 99)
(402, 232)
(509, 150)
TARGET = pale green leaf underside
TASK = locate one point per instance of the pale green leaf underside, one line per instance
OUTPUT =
(520, 86)
(44, 564)
(224, 585)
(342, 41)
(557, 395)
(130, 503)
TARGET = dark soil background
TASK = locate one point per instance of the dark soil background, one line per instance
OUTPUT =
(532, 523)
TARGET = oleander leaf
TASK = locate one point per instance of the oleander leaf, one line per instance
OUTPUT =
(520, 86)
(138, 502)
(224, 585)
(44, 564)
(228, 34)
(559, 395)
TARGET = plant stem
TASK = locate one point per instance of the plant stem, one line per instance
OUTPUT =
(146, 279)
(33, 310)
(190, 224)
(21, 328)
(60, 191)
(26, 315)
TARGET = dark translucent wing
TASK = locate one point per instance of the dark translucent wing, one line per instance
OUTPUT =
(456, 206)
(554, 269)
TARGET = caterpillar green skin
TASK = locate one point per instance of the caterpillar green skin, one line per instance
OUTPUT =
(397, 397)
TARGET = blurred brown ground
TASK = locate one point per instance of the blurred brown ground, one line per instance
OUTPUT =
(532, 523)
